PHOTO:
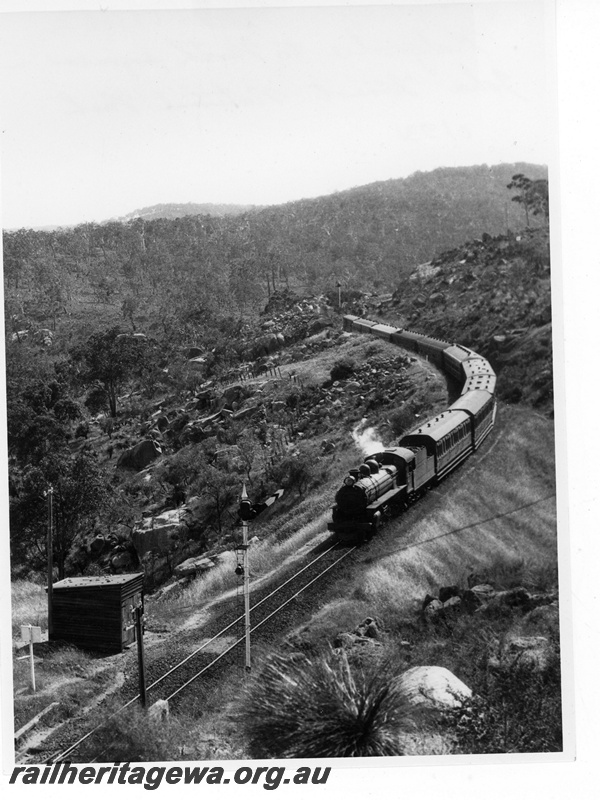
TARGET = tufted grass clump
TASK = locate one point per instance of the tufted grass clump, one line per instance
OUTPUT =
(302, 707)
(135, 735)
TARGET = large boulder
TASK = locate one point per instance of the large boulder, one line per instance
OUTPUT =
(265, 346)
(233, 394)
(192, 566)
(140, 456)
(433, 687)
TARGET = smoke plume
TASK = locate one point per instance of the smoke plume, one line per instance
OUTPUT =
(366, 439)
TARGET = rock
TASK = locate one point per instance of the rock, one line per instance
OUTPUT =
(452, 603)
(432, 608)
(546, 618)
(319, 324)
(122, 560)
(511, 598)
(97, 545)
(159, 710)
(179, 423)
(470, 601)
(194, 565)
(233, 394)
(528, 652)
(433, 687)
(244, 413)
(197, 364)
(427, 600)
(356, 642)
(43, 336)
(446, 592)
(368, 628)
(160, 534)
(138, 457)
(483, 592)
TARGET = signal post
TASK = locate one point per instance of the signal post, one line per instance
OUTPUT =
(248, 511)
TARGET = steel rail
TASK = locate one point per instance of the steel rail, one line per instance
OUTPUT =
(262, 622)
(62, 755)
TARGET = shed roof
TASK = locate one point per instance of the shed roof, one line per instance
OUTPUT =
(97, 581)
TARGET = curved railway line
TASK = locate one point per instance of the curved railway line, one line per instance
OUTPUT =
(173, 682)
(429, 453)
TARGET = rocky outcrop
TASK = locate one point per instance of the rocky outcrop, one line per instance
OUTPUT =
(482, 599)
(159, 534)
(365, 639)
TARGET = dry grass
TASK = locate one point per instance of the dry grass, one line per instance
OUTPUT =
(29, 605)
(463, 528)
(289, 535)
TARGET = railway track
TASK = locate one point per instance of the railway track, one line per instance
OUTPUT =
(190, 682)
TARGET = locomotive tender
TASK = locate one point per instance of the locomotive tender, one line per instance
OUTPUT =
(396, 476)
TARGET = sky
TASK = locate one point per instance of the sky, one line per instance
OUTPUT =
(105, 112)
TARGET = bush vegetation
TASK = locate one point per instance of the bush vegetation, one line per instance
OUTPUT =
(301, 707)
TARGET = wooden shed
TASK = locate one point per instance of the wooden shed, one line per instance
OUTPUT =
(96, 613)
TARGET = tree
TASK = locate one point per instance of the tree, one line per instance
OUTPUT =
(112, 358)
(533, 195)
(79, 495)
(220, 489)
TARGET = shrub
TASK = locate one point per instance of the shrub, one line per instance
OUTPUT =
(133, 735)
(402, 420)
(82, 430)
(343, 369)
(96, 400)
(316, 708)
(519, 711)
(295, 471)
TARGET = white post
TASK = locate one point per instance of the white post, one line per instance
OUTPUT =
(31, 664)
(244, 498)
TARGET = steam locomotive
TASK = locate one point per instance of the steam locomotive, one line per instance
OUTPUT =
(393, 478)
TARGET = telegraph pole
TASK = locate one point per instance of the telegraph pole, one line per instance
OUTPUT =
(50, 493)
(139, 635)
(246, 513)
